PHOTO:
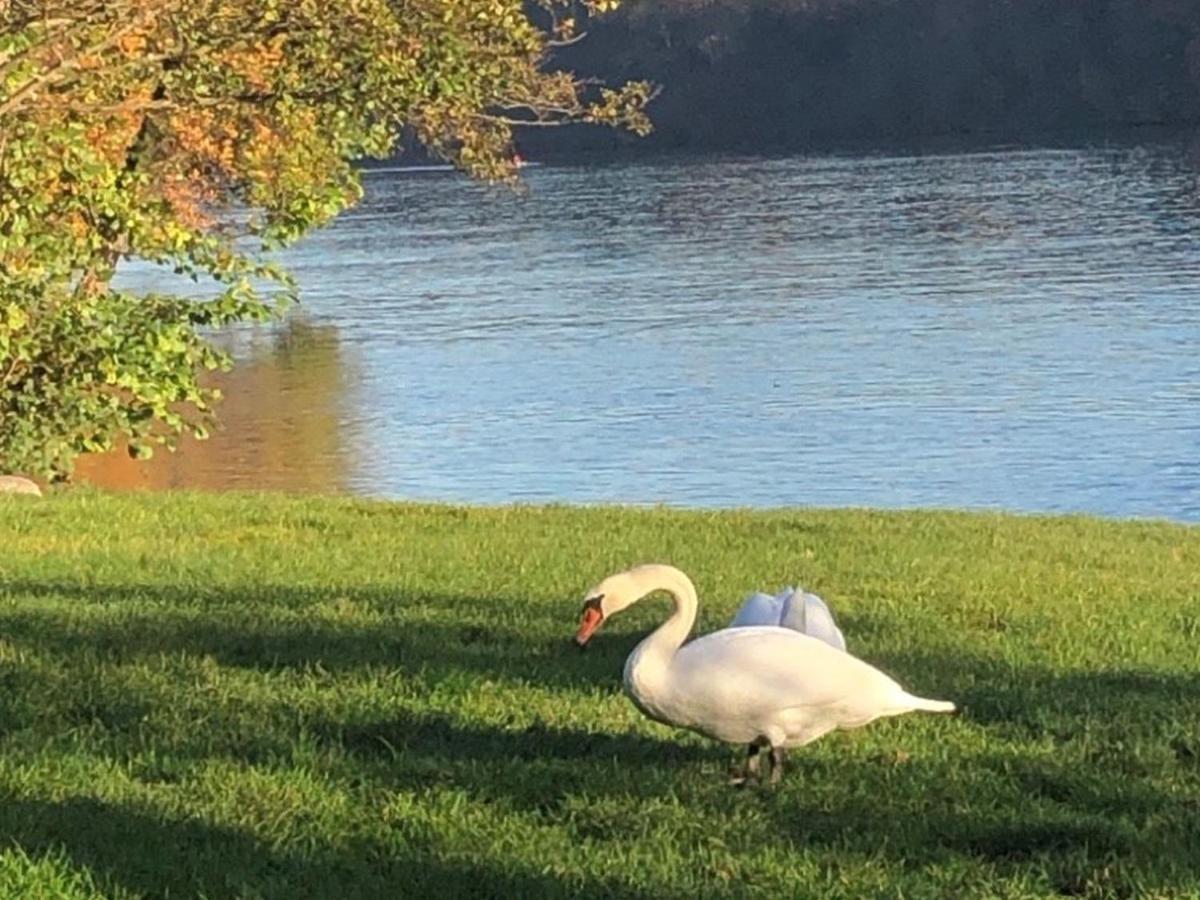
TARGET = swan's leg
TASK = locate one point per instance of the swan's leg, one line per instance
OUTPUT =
(753, 760)
(776, 765)
(750, 771)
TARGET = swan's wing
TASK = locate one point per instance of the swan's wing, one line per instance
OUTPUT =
(759, 609)
(740, 670)
(818, 622)
(800, 611)
(792, 611)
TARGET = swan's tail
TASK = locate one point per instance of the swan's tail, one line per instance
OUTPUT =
(937, 706)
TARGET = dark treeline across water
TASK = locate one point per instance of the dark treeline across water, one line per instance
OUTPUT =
(788, 73)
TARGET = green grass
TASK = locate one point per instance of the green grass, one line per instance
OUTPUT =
(245, 696)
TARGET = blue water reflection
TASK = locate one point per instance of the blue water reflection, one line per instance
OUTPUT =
(1012, 329)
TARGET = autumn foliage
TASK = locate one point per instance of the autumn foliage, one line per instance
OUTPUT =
(195, 134)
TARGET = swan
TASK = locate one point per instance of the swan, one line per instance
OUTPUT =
(793, 608)
(762, 686)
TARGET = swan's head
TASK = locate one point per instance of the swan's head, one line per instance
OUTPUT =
(617, 592)
(606, 599)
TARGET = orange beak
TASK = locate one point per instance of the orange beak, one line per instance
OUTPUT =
(592, 618)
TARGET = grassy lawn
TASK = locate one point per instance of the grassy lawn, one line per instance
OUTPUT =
(257, 696)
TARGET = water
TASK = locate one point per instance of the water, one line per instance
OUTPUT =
(1010, 329)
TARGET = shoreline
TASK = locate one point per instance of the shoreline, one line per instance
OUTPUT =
(350, 495)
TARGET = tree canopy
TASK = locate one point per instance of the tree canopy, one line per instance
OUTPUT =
(197, 134)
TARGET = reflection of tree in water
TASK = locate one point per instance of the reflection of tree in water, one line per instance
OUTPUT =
(279, 422)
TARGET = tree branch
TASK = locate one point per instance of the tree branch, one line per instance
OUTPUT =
(55, 75)
(555, 44)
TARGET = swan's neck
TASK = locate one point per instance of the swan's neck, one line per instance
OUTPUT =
(650, 659)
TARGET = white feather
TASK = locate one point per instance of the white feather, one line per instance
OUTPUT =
(792, 608)
(751, 682)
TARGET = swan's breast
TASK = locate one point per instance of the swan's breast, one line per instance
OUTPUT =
(643, 680)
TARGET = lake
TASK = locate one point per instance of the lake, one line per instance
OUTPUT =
(1012, 329)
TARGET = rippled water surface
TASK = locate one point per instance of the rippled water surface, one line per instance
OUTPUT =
(1012, 329)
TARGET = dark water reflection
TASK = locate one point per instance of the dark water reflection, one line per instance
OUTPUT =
(1014, 329)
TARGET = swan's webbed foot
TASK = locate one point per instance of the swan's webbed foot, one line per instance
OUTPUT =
(750, 772)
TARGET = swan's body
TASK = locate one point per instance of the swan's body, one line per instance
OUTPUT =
(794, 608)
(755, 685)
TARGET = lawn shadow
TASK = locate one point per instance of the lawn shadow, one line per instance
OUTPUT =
(235, 633)
(1077, 767)
(404, 749)
(155, 856)
(1078, 773)
(1033, 701)
(1077, 828)
(440, 737)
(535, 768)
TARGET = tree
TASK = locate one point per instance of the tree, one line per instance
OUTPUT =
(198, 135)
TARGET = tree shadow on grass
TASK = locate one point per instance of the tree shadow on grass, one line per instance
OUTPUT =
(439, 736)
(534, 769)
(238, 633)
(1090, 777)
(403, 749)
(1109, 797)
(1086, 835)
(1030, 700)
(156, 857)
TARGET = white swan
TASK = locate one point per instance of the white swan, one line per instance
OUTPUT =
(794, 608)
(763, 686)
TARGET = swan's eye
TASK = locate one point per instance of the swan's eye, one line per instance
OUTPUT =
(593, 603)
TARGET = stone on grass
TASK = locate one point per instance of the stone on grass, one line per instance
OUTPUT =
(15, 484)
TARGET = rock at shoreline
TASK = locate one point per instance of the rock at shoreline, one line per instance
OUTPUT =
(15, 484)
